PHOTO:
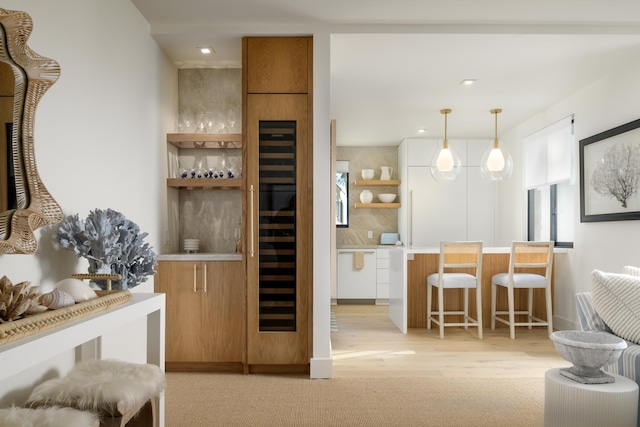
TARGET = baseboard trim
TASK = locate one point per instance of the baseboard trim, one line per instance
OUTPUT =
(204, 367)
(322, 368)
(279, 369)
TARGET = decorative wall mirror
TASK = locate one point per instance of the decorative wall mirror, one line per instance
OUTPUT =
(25, 203)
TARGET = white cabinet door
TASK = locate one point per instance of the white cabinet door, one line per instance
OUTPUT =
(420, 151)
(480, 208)
(438, 211)
(356, 283)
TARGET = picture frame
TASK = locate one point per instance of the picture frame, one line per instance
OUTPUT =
(610, 174)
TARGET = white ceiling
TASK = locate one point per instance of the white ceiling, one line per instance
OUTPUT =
(396, 64)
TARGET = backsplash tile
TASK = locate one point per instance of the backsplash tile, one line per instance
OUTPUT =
(363, 220)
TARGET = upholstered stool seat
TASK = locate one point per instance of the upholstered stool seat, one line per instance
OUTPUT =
(47, 417)
(117, 391)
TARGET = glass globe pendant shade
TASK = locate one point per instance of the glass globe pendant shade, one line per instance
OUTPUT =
(496, 163)
(445, 163)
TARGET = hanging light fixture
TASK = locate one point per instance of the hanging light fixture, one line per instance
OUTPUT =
(445, 163)
(496, 163)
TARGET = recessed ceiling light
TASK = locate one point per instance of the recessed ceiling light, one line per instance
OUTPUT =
(468, 82)
(205, 50)
(422, 130)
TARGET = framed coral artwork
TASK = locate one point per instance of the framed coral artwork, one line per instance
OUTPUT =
(610, 174)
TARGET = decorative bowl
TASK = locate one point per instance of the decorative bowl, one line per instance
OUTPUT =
(386, 197)
(589, 352)
(367, 173)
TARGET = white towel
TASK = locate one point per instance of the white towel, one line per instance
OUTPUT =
(358, 260)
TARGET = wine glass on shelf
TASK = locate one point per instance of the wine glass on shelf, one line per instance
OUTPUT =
(201, 123)
(210, 120)
(187, 119)
(237, 234)
(226, 235)
(221, 119)
(231, 120)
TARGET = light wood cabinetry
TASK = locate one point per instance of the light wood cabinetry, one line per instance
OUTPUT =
(205, 321)
(277, 108)
(277, 64)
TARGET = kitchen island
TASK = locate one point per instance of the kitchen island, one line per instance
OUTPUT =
(408, 271)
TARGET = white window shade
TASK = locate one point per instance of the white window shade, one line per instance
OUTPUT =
(548, 155)
(342, 165)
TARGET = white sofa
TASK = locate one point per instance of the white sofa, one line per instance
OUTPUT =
(628, 364)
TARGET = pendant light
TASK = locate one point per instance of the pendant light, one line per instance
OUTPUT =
(496, 163)
(445, 163)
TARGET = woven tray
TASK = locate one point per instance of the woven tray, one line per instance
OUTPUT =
(21, 328)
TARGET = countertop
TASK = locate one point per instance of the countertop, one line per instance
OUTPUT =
(367, 246)
(200, 257)
(436, 249)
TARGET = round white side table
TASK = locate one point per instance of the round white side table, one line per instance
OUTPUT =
(570, 403)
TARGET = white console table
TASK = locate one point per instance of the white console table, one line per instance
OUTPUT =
(85, 334)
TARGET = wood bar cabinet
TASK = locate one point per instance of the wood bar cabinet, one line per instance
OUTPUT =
(278, 150)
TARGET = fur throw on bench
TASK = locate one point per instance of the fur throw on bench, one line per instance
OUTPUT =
(108, 387)
(47, 417)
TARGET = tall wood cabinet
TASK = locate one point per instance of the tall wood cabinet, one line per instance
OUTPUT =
(205, 314)
(277, 108)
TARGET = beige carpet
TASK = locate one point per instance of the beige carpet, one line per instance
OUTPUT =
(211, 399)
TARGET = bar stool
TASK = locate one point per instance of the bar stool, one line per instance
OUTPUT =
(528, 255)
(51, 417)
(121, 393)
(456, 255)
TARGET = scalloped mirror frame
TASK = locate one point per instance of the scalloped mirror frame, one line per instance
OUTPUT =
(34, 75)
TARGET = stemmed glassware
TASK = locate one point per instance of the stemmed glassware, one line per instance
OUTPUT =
(210, 121)
(226, 236)
(221, 120)
(237, 234)
(186, 120)
(231, 120)
(201, 124)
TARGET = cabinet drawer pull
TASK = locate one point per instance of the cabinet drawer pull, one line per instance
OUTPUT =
(205, 278)
(195, 274)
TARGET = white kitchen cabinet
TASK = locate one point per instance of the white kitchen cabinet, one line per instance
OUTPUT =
(437, 211)
(355, 283)
(480, 207)
(382, 276)
(461, 210)
(420, 151)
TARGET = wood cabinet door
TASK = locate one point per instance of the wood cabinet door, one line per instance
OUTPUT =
(181, 282)
(223, 315)
(277, 64)
(279, 217)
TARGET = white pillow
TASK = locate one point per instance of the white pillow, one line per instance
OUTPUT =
(631, 270)
(616, 298)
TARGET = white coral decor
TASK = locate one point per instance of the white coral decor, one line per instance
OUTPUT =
(111, 243)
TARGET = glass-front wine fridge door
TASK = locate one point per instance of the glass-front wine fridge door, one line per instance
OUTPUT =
(277, 226)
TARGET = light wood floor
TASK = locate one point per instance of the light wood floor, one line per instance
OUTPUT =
(368, 344)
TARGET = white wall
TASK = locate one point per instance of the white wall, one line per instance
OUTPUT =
(99, 140)
(607, 246)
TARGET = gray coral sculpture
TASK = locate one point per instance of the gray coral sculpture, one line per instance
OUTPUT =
(111, 243)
